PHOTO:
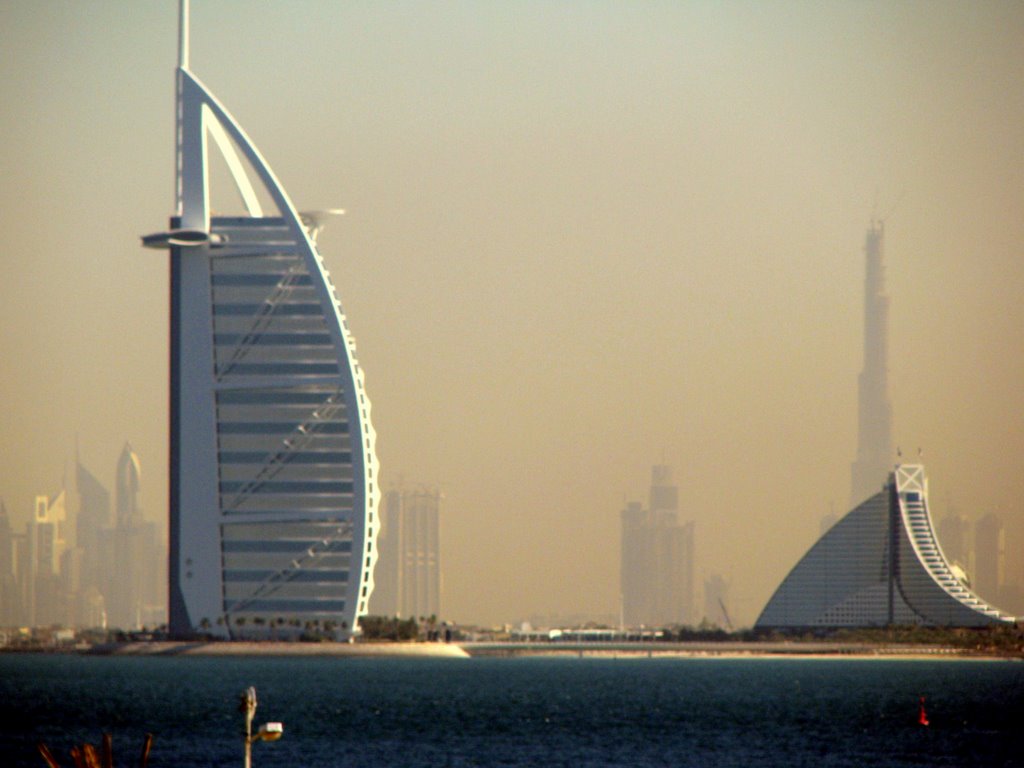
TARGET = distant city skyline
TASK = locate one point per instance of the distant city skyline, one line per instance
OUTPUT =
(85, 498)
(78, 565)
(579, 238)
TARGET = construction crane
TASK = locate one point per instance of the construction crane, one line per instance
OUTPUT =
(725, 613)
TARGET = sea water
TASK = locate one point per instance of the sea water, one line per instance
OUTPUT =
(518, 712)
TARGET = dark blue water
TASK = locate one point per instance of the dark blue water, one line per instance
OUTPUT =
(519, 712)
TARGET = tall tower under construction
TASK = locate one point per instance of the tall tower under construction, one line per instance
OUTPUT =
(874, 415)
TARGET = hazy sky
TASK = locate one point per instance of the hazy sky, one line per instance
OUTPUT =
(582, 238)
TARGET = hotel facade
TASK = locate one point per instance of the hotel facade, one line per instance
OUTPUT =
(273, 471)
(879, 565)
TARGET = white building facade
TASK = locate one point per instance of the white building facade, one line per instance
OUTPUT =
(273, 470)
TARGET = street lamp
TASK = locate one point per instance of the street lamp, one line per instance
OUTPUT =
(266, 732)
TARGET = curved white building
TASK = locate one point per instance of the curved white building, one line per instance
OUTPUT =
(880, 565)
(272, 466)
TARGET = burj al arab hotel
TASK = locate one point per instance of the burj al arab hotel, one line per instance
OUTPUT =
(273, 474)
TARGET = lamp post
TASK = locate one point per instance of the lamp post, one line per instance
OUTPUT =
(266, 732)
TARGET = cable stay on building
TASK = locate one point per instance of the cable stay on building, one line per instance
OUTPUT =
(299, 438)
(283, 576)
(262, 319)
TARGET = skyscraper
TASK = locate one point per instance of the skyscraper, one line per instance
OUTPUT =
(874, 412)
(880, 565)
(636, 570)
(47, 543)
(954, 532)
(134, 578)
(91, 521)
(272, 463)
(126, 486)
(989, 556)
(10, 599)
(409, 569)
(657, 558)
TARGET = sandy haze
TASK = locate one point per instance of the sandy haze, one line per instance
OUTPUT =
(582, 238)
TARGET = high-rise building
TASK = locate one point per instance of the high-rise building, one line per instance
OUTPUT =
(10, 599)
(635, 565)
(874, 412)
(23, 577)
(408, 578)
(880, 565)
(126, 487)
(132, 587)
(657, 569)
(272, 462)
(47, 543)
(954, 533)
(1012, 590)
(92, 518)
(989, 556)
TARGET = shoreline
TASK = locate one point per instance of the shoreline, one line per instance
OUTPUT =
(244, 648)
(467, 650)
(737, 650)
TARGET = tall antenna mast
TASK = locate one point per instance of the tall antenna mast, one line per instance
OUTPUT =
(179, 108)
(183, 34)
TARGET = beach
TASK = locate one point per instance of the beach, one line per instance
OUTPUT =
(724, 650)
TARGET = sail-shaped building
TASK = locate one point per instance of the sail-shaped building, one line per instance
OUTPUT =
(273, 472)
(879, 565)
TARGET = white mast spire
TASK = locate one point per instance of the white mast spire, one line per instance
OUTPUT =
(183, 34)
(179, 107)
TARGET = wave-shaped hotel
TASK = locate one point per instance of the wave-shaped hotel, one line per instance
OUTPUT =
(879, 565)
(272, 462)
